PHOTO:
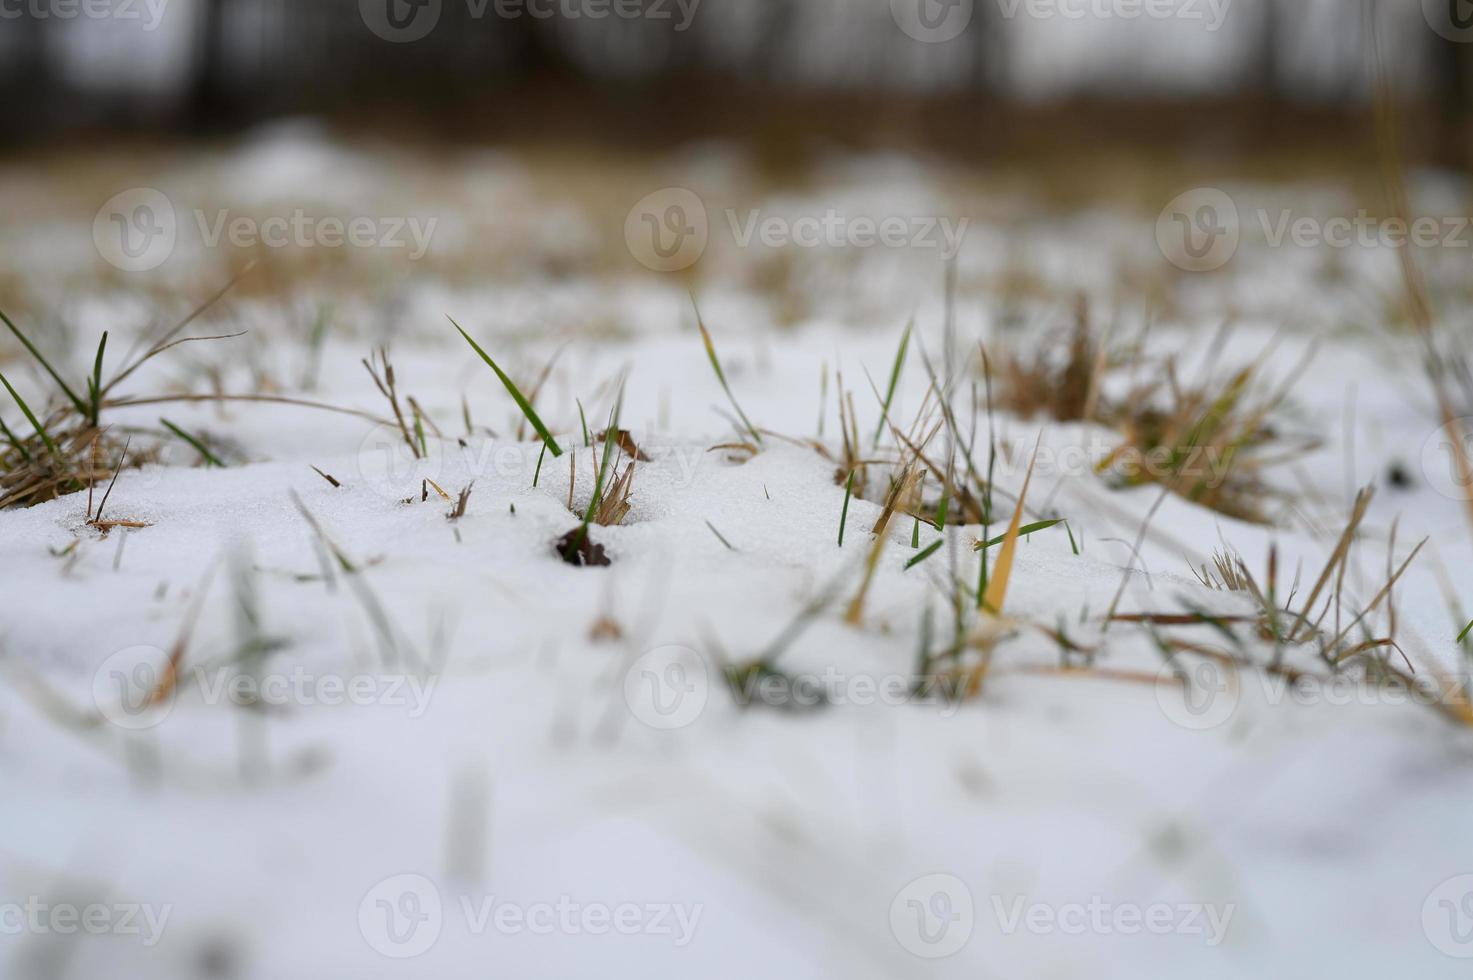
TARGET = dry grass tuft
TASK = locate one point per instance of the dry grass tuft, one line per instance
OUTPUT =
(1045, 385)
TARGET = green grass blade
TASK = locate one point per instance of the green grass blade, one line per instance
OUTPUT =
(1464, 635)
(31, 417)
(94, 383)
(199, 447)
(844, 514)
(930, 550)
(66, 389)
(894, 379)
(511, 388)
(14, 442)
(1023, 532)
(721, 375)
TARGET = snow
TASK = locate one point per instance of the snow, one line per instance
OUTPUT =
(492, 744)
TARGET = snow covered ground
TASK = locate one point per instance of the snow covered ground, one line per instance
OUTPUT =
(456, 755)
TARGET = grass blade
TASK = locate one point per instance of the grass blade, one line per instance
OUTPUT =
(511, 388)
(894, 379)
(844, 514)
(997, 585)
(1023, 532)
(721, 375)
(199, 447)
(81, 406)
(94, 383)
(30, 417)
(719, 536)
(930, 550)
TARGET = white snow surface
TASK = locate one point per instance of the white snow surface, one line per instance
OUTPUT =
(507, 750)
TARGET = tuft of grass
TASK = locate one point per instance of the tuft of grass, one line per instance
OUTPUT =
(528, 411)
(1065, 389)
(1206, 445)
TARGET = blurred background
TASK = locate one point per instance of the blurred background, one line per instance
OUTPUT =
(524, 136)
(979, 76)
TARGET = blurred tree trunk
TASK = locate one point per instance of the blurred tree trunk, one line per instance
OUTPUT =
(27, 62)
(987, 31)
(1268, 72)
(209, 101)
(1452, 83)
